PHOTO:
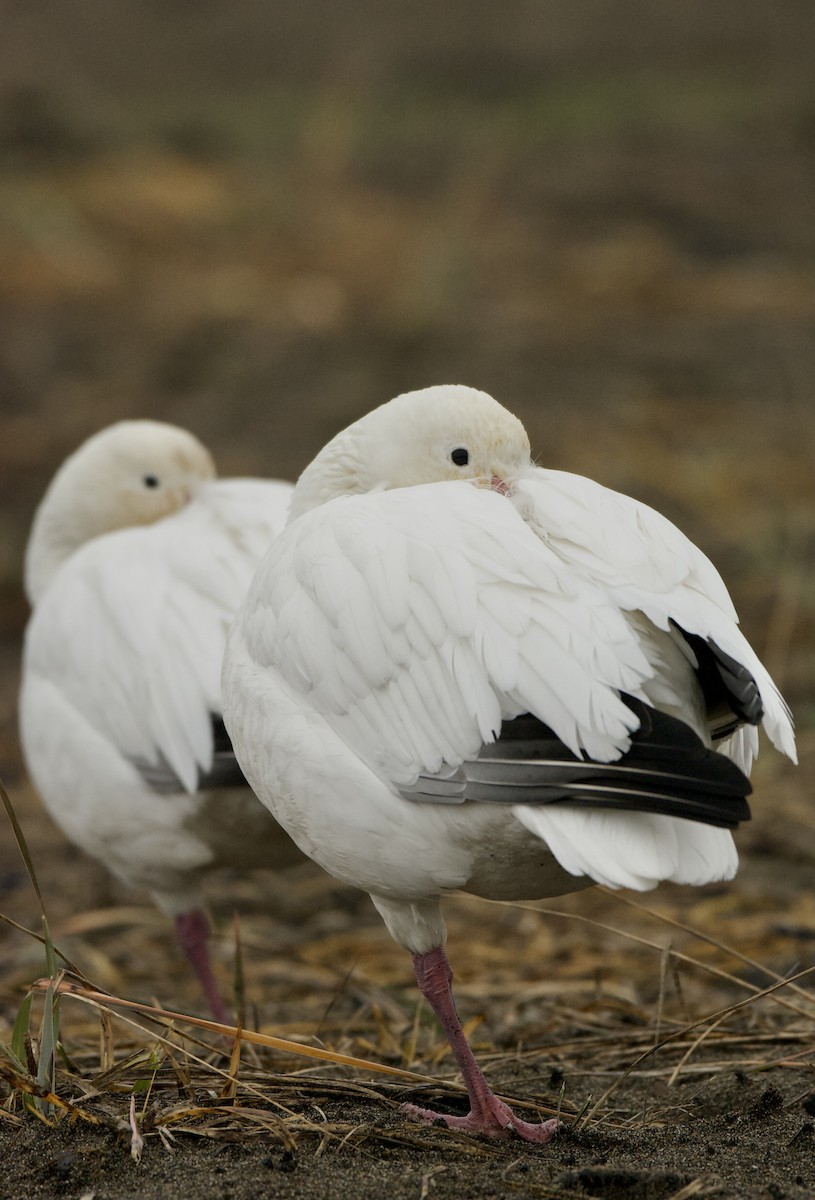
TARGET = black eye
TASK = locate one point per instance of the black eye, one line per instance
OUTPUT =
(460, 456)
(151, 481)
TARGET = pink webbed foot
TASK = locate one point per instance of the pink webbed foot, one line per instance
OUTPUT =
(495, 1119)
(487, 1114)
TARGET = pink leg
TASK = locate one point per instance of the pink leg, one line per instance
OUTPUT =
(487, 1113)
(192, 933)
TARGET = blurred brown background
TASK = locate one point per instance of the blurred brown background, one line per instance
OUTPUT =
(260, 220)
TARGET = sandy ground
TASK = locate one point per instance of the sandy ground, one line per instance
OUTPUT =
(756, 1141)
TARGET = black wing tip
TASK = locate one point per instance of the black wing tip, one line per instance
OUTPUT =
(224, 772)
(667, 770)
(730, 689)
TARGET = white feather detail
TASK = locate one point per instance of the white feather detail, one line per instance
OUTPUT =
(633, 849)
(480, 636)
(645, 564)
(132, 627)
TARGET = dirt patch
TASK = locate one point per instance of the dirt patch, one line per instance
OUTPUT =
(756, 1142)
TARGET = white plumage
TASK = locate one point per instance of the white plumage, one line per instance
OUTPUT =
(137, 561)
(406, 618)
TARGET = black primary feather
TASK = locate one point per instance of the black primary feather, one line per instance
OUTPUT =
(731, 693)
(667, 770)
(224, 772)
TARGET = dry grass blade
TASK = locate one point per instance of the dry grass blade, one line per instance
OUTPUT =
(188, 1109)
(711, 1017)
(238, 983)
(106, 1055)
(102, 999)
(690, 1189)
(691, 1050)
(701, 936)
(229, 1090)
(689, 960)
(27, 1086)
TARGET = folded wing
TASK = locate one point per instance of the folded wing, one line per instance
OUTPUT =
(132, 630)
(646, 565)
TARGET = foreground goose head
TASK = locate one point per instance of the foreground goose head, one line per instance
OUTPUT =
(448, 432)
(513, 688)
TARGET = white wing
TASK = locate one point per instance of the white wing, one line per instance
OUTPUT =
(645, 564)
(416, 620)
(132, 628)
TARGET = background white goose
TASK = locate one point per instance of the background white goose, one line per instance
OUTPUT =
(511, 688)
(137, 561)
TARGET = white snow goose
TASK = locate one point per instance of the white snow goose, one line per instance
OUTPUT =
(515, 688)
(137, 561)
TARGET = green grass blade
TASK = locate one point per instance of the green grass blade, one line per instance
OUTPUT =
(21, 1026)
(23, 845)
(50, 951)
(72, 967)
(49, 1038)
(49, 1029)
